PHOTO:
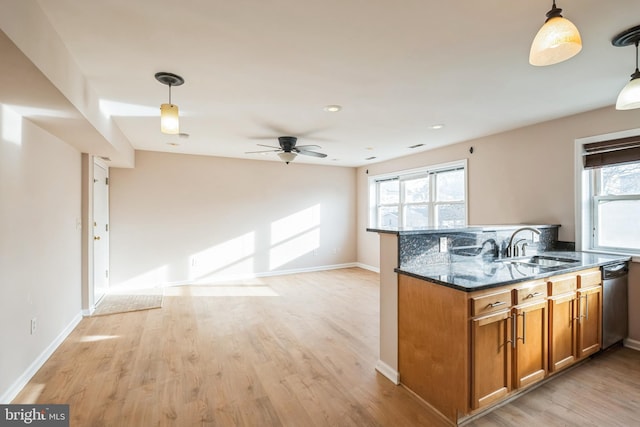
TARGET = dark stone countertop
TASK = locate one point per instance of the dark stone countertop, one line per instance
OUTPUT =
(478, 273)
(406, 231)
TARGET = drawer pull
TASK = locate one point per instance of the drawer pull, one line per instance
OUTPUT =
(524, 326)
(533, 295)
(497, 304)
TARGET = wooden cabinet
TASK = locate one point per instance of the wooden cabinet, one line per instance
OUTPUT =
(562, 336)
(589, 329)
(490, 358)
(509, 347)
(463, 352)
(530, 353)
(575, 318)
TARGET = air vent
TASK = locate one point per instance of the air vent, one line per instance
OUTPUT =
(416, 146)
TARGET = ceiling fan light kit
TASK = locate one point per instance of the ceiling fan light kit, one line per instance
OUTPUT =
(287, 156)
(557, 40)
(169, 116)
(629, 97)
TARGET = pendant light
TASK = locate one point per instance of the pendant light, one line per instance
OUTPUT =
(169, 121)
(557, 40)
(629, 97)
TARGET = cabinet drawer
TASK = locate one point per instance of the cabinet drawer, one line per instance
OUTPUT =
(562, 285)
(530, 292)
(490, 303)
(588, 279)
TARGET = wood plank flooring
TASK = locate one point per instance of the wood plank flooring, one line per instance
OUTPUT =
(295, 350)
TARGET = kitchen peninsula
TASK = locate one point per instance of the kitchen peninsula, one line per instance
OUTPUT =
(464, 326)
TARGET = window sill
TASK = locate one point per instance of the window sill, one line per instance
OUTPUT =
(634, 257)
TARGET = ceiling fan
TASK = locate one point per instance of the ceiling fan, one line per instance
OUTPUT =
(288, 149)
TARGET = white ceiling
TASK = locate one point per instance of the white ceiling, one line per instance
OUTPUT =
(261, 69)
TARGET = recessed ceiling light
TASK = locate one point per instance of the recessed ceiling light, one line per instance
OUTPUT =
(370, 158)
(416, 146)
(369, 148)
(436, 126)
(332, 108)
(183, 135)
(173, 144)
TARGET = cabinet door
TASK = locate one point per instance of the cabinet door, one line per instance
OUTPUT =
(589, 321)
(490, 358)
(530, 356)
(562, 337)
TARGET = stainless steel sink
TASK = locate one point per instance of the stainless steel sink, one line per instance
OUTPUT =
(540, 261)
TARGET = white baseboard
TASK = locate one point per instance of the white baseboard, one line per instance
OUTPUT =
(632, 344)
(368, 267)
(22, 381)
(388, 372)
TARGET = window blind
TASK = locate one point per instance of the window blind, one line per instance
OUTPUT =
(612, 152)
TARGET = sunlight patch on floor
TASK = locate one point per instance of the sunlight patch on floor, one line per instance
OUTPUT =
(221, 290)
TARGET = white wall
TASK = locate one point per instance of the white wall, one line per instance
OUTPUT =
(193, 219)
(39, 244)
(521, 176)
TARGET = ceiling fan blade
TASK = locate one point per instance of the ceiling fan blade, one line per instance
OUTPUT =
(311, 153)
(269, 146)
(263, 151)
(304, 147)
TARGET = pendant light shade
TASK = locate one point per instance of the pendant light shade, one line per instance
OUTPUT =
(629, 97)
(169, 122)
(557, 40)
(169, 118)
(287, 156)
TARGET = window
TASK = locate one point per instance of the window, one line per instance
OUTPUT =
(420, 198)
(616, 207)
(611, 195)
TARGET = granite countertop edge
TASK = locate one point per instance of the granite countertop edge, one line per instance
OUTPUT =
(468, 276)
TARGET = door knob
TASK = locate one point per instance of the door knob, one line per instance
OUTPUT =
(96, 237)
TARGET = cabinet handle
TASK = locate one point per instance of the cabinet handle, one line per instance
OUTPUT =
(535, 294)
(514, 333)
(524, 326)
(497, 304)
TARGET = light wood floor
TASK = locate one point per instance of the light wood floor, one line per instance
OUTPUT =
(295, 350)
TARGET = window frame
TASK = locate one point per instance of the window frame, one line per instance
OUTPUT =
(586, 199)
(406, 175)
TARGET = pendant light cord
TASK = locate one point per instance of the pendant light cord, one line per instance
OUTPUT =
(169, 93)
(637, 71)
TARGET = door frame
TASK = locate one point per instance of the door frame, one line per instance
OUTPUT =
(88, 303)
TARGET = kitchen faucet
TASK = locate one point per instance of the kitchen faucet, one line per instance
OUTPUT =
(513, 249)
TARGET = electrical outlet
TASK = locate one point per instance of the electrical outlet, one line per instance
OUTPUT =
(34, 324)
(444, 246)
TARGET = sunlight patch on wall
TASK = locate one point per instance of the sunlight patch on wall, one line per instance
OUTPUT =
(232, 256)
(295, 224)
(11, 125)
(294, 236)
(294, 248)
(151, 279)
(114, 108)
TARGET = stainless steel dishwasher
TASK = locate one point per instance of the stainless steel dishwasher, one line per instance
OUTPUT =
(614, 303)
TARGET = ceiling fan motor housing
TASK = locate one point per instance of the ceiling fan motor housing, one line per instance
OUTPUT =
(287, 142)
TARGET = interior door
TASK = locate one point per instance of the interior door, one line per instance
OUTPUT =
(100, 231)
